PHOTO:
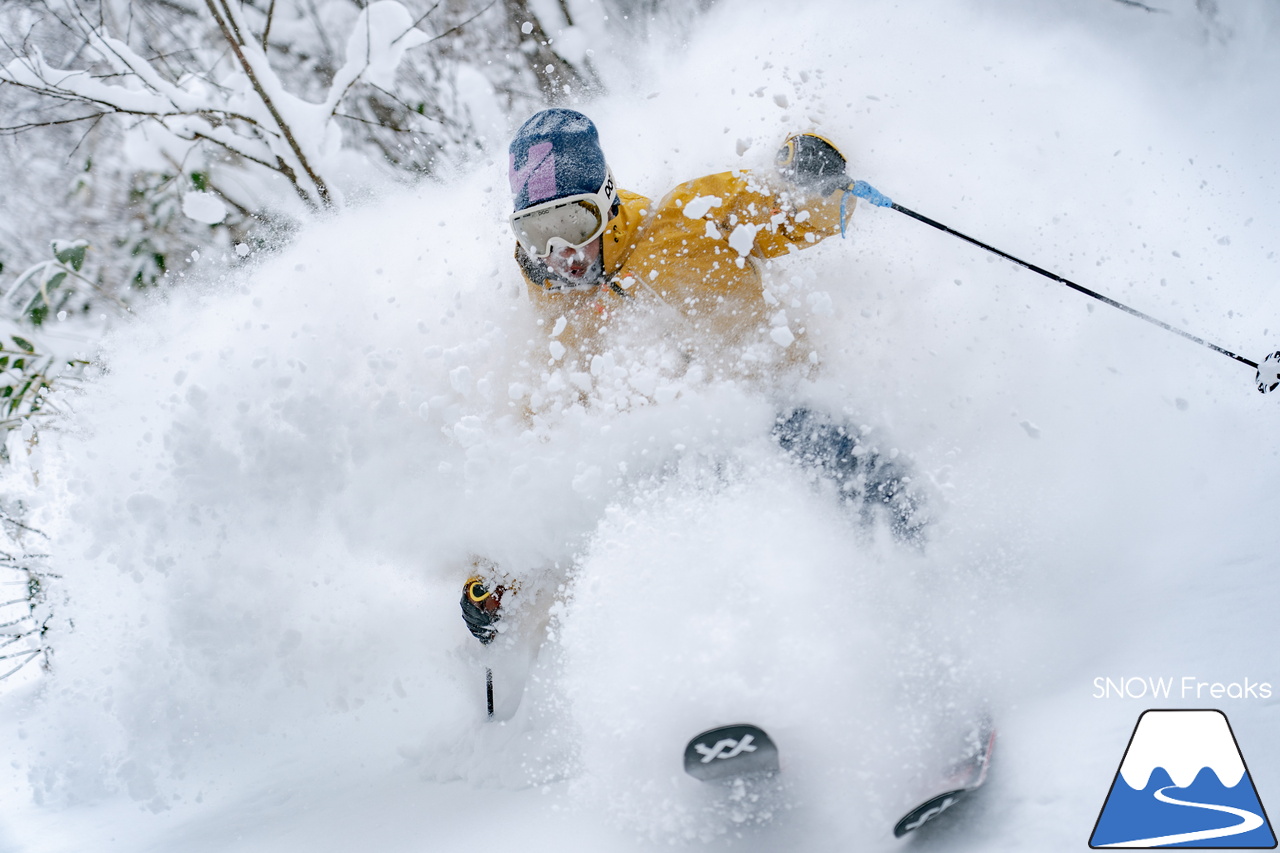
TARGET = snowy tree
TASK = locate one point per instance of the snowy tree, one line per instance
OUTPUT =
(199, 124)
(224, 92)
(212, 122)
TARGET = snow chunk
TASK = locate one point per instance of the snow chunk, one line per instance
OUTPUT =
(469, 431)
(698, 207)
(1032, 429)
(820, 303)
(460, 380)
(781, 332)
(588, 479)
(203, 207)
(743, 238)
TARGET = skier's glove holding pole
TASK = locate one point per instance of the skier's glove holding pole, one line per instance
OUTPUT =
(814, 165)
(480, 608)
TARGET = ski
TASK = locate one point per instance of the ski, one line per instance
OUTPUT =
(962, 779)
(730, 752)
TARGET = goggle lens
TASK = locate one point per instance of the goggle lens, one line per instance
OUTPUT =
(575, 222)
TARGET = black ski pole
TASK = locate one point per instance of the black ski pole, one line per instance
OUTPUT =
(488, 689)
(1268, 373)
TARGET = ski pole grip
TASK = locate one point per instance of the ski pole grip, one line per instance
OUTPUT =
(862, 189)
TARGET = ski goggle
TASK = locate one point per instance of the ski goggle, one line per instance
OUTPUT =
(572, 221)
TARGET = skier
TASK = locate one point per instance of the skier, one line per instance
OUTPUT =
(590, 250)
(593, 254)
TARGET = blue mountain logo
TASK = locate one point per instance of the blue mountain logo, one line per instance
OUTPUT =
(1183, 783)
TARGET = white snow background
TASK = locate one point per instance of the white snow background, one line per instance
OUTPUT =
(262, 540)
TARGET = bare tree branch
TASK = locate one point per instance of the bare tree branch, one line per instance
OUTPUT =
(459, 27)
(266, 30)
(14, 129)
(420, 19)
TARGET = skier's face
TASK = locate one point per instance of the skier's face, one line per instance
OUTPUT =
(575, 265)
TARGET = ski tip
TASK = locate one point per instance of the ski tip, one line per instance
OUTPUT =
(963, 778)
(729, 752)
(927, 811)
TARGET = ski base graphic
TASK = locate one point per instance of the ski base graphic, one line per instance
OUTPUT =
(730, 752)
(927, 811)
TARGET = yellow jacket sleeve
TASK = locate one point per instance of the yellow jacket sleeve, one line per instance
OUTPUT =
(697, 249)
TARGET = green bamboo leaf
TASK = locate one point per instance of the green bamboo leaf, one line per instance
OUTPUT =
(71, 253)
(23, 344)
(55, 280)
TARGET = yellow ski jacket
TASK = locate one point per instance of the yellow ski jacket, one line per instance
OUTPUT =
(695, 252)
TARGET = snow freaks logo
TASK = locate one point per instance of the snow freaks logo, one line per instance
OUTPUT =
(1182, 783)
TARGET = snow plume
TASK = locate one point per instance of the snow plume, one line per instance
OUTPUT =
(256, 521)
(769, 606)
(265, 507)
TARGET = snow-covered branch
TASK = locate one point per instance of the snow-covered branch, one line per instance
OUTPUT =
(241, 106)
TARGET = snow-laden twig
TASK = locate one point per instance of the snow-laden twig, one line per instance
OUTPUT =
(382, 34)
(253, 62)
(251, 114)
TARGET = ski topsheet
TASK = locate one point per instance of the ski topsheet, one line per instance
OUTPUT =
(962, 779)
(730, 752)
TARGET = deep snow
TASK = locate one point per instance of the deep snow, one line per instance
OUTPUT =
(263, 510)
